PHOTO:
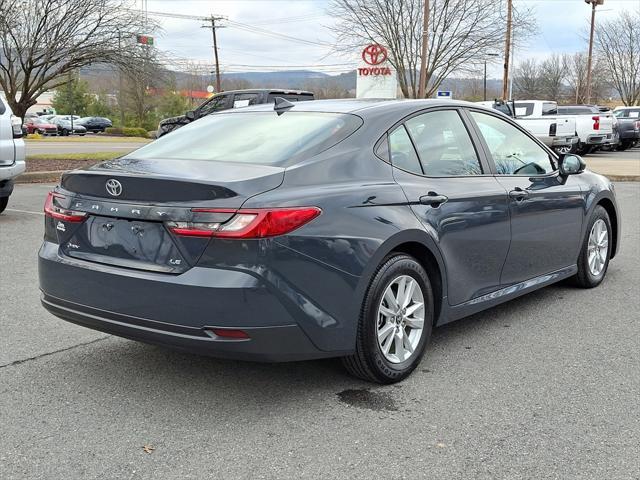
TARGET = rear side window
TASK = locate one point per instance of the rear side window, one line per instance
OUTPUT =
(549, 108)
(264, 138)
(443, 143)
(2, 107)
(524, 109)
(403, 155)
(245, 99)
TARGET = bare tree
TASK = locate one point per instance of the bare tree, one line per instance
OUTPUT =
(552, 75)
(527, 81)
(618, 42)
(42, 41)
(576, 77)
(461, 34)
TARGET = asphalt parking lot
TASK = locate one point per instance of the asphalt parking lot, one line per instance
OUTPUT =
(546, 386)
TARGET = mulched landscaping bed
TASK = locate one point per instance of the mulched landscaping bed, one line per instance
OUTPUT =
(50, 165)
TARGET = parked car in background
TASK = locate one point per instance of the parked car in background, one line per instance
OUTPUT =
(628, 126)
(95, 124)
(558, 133)
(228, 100)
(335, 228)
(12, 155)
(38, 125)
(614, 143)
(594, 127)
(65, 126)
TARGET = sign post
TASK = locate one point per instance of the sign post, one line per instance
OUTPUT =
(376, 78)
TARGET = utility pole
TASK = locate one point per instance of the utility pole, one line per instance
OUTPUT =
(422, 86)
(593, 3)
(507, 52)
(213, 28)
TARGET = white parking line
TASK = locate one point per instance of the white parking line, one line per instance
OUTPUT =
(24, 211)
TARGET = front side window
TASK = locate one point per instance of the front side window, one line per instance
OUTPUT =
(403, 155)
(513, 152)
(443, 144)
(214, 105)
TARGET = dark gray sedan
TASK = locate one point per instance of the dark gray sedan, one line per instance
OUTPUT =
(325, 229)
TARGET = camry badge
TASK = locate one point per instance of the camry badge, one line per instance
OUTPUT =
(114, 187)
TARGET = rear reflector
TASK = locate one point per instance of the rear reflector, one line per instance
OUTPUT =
(258, 223)
(229, 333)
(54, 211)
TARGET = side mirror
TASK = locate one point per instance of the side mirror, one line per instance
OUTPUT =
(572, 164)
(191, 115)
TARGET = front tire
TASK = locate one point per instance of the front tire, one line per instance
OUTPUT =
(596, 250)
(4, 201)
(395, 322)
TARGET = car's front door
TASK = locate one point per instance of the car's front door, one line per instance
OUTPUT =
(547, 209)
(465, 209)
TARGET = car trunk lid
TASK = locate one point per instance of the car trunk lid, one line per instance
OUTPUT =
(128, 204)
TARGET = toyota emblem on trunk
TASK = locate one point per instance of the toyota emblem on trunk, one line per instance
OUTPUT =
(114, 187)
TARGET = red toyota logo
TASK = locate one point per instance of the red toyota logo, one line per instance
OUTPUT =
(374, 54)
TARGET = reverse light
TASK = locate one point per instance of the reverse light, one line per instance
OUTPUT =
(596, 122)
(54, 211)
(250, 223)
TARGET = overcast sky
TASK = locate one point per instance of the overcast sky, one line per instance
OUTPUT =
(561, 25)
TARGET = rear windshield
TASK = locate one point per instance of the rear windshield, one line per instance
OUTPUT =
(253, 137)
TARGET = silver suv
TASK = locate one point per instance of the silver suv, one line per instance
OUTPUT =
(12, 153)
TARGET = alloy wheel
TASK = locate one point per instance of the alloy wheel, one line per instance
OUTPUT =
(598, 247)
(400, 319)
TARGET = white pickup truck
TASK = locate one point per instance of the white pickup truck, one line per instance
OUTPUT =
(592, 127)
(12, 152)
(558, 133)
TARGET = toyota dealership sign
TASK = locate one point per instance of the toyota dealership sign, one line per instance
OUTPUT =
(376, 77)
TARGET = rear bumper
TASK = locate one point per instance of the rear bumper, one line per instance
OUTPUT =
(12, 171)
(176, 310)
(266, 344)
(630, 135)
(564, 141)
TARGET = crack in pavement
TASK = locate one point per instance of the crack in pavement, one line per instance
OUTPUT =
(46, 354)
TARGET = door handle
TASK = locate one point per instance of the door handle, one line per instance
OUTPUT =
(433, 199)
(518, 193)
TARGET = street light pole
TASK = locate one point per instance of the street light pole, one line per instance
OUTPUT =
(593, 3)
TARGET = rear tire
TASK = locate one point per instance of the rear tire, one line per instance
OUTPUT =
(584, 150)
(596, 250)
(4, 201)
(402, 328)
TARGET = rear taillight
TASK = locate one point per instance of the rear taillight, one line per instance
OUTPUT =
(55, 211)
(16, 126)
(553, 128)
(596, 122)
(637, 125)
(258, 223)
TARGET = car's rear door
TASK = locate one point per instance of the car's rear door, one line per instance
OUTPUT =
(459, 202)
(546, 210)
